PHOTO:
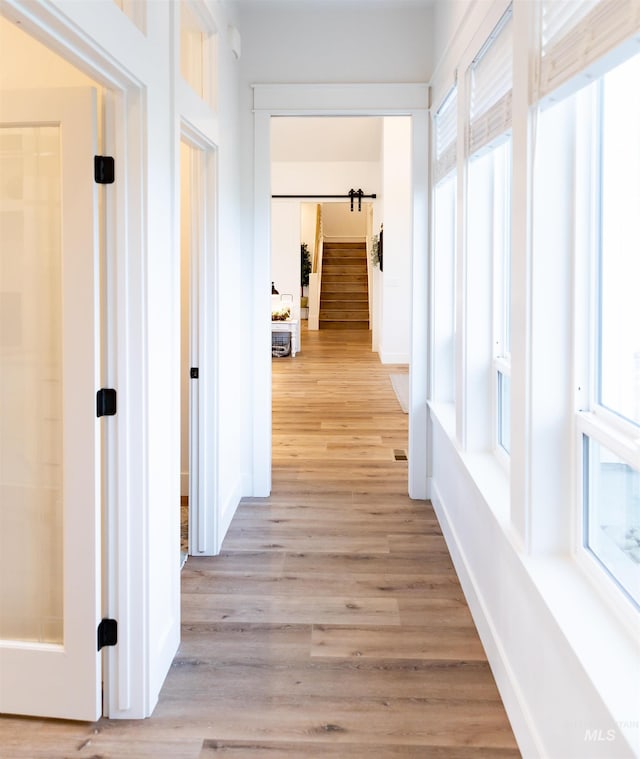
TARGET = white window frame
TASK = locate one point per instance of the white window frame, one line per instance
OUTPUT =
(502, 187)
(198, 50)
(489, 82)
(444, 166)
(444, 299)
(593, 421)
(136, 11)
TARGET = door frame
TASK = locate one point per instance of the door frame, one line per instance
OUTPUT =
(204, 511)
(126, 676)
(412, 100)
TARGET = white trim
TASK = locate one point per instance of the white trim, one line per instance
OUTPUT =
(419, 358)
(261, 302)
(611, 437)
(205, 512)
(126, 684)
(340, 100)
(227, 512)
(608, 590)
(203, 16)
(393, 358)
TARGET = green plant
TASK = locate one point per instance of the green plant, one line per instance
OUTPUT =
(305, 264)
(375, 250)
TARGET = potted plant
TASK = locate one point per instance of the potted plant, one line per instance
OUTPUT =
(305, 271)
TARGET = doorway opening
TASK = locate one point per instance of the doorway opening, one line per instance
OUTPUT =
(198, 362)
(313, 161)
(272, 102)
(188, 346)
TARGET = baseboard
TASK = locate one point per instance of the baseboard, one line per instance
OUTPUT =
(247, 485)
(228, 512)
(393, 358)
(521, 720)
(184, 484)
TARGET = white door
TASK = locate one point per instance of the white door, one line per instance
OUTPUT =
(49, 433)
(193, 241)
(198, 219)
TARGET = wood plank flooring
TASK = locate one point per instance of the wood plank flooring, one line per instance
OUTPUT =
(332, 625)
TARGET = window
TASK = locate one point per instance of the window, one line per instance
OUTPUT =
(444, 245)
(618, 348)
(198, 50)
(501, 296)
(489, 232)
(611, 433)
(136, 10)
(444, 213)
(612, 523)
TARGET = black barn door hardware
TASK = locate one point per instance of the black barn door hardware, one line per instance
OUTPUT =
(351, 195)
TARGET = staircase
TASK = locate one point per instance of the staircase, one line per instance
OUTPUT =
(344, 295)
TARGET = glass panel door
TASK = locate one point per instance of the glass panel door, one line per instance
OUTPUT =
(31, 596)
(50, 455)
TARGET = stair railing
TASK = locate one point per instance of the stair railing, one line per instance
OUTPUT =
(370, 280)
(315, 278)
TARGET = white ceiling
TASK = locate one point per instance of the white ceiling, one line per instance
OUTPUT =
(308, 138)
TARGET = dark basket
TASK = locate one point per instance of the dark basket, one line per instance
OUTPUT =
(280, 344)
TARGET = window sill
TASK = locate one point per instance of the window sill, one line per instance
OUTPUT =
(606, 647)
(489, 475)
(579, 613)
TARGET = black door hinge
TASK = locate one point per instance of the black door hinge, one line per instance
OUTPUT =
(104, 169)
(106, 402)
(194, 373)
(107, 633)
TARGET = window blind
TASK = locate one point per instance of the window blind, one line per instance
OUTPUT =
(576, 33)
(446, 134)
(491, 83)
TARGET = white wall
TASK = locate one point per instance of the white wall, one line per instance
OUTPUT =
(395, 279)
(319, 42)
(285, 250)
(324, 177)
(341, 224)
(234, 274)
(33, 65)
(308, 213)
(448, 18)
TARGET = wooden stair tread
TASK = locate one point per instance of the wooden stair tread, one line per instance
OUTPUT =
(344, 295)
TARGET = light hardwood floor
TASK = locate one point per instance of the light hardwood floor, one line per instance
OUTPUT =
(333, 624)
